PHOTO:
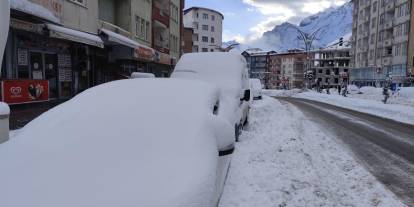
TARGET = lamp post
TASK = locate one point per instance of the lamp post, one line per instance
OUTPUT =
(308, 40)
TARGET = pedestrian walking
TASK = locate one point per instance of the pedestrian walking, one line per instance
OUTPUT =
(339, 89)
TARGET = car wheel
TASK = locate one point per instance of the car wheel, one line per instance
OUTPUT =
(238, 130)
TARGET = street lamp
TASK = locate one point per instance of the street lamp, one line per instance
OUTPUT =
(308, 40)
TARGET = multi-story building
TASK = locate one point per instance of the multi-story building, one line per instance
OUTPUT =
(208, 28)
(292, 69)
(187, 39)
(331, 65)
(68, 46)
(257, 61)
(380, 41)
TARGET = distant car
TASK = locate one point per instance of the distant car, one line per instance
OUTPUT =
(154, 142)
(135, 75)
(229, 72)
(256, 88)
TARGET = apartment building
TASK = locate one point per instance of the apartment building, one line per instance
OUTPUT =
(331, 65)
(67, 46)
(292, 66)
(187, 40)
(258, 63)
(380, 35)
(208, 28)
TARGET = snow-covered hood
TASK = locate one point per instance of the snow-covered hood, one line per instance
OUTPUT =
(139, 142)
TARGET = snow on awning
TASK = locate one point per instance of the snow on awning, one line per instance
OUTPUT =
(120, 39)
(74, 35)
(34, 9)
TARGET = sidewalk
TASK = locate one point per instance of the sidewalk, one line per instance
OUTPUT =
(20, 115)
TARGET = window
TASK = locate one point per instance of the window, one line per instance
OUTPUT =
(213, 18)
(212, 40)
(374, 22)
(204, 50)
(205, 27)
(211, 50)
(374, 8)
(212, 28)
(204, 39)
(142, 28)
(195, 37)
(205, 16)
(195, 25)
(372, 38)
(197, 15)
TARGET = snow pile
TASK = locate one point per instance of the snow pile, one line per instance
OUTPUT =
(284, 159)
(370, 102)
(282, 93)
(105, 148)
(34, 9)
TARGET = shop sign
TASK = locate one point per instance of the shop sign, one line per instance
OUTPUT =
(144, 53)
(22, 57)
(26, 26)
(65, 68)
(162, 58)
(25, 91)
(55, 6)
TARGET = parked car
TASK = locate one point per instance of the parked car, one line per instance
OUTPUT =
(151, 142)
(256, 88)
(136, 75)
(229, 72)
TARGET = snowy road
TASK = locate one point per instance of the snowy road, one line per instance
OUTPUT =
(385, 147)
(285, 158)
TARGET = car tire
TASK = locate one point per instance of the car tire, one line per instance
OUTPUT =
(238, 130)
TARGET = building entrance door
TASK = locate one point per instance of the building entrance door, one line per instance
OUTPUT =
(51, 74)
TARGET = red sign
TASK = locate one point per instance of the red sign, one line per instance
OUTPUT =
(25, 91)
(144, 53)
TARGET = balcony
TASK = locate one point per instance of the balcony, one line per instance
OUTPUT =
(160, 16)
(161, 37)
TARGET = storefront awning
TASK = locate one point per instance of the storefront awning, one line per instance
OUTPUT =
(140, 51)
(74, 35)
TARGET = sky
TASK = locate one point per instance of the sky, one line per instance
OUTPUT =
(247, 20)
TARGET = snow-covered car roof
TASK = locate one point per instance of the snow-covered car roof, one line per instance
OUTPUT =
(126, 143)
(222, 68)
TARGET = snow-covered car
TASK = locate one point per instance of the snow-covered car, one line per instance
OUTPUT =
(136, 75)
(152, 143)
(229, 72)
(256, 88)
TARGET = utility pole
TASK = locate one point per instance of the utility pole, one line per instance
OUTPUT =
(308, 40)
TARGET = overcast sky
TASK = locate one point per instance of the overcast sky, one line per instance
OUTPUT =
(245, 20)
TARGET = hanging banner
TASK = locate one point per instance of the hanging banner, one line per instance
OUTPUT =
(24, 91)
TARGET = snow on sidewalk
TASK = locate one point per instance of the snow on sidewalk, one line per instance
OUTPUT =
(401, 113)
(286, 160)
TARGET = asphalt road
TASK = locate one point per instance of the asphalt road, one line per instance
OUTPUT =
(384, 147)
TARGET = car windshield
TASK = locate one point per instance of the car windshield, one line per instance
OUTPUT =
(206, 103)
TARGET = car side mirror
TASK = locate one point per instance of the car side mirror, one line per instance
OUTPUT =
(246, 96)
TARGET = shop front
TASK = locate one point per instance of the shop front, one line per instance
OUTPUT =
(40, 53)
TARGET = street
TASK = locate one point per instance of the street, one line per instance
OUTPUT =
(385, 147)
(288, 157)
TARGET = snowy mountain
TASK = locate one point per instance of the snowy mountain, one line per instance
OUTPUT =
(333, 23)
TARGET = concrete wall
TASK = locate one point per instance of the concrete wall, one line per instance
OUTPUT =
(81, 17)
(175, 19)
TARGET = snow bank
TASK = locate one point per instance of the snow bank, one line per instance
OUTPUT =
(285, 159)
(125, 143)
(397, 109)
(33, 9)
(4, 108)
(282, 93)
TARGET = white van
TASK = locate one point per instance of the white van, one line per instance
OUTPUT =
(229, 72)
(256, 88)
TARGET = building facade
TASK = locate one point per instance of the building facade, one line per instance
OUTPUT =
(187, 40)
(380, 35)
(258, 63)
(331, 65)
(67, 46)
(208, 28)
